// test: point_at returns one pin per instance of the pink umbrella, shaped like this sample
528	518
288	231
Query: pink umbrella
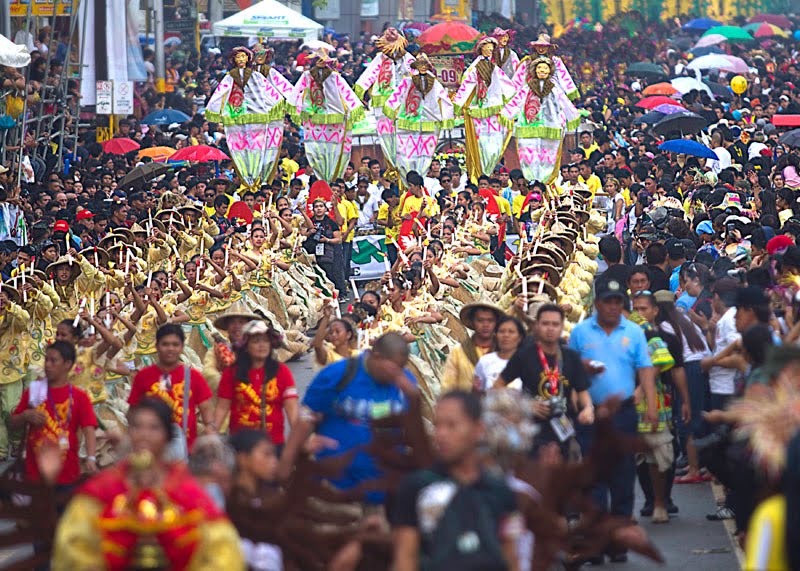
199	154
710	40
738	65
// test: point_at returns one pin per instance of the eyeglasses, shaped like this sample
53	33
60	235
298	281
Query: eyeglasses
445	180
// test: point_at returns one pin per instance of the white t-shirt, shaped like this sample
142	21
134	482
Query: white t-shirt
689	354
365	212
489	367
723	160
720	379
432	185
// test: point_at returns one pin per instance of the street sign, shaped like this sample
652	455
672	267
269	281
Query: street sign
123	97
448	69
105	98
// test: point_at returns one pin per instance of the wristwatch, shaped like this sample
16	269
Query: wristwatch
91	458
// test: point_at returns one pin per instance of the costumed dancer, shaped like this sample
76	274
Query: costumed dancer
252	111
328	108
484	90
543	114
420	108
381	78
504	56
543	47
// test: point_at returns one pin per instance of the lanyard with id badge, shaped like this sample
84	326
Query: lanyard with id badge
551	378
63	430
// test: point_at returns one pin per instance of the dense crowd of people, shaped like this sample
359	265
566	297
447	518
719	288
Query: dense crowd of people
472	403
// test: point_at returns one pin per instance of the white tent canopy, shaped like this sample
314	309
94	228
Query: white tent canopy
268	19
13	55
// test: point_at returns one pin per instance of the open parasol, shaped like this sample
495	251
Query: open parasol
165	117
700	24
660	89
158	154
199	154
449	38
731	33
688	147
719	62
655	101
143	174
775	19
685	122
765	30
646	70
120	146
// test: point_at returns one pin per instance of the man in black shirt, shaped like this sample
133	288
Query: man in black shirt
549	373
456	515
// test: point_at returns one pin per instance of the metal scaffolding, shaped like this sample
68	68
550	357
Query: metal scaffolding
51	113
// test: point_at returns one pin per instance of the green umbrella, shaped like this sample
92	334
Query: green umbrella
731	33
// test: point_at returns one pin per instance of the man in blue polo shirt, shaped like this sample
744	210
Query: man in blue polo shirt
342	401
614	353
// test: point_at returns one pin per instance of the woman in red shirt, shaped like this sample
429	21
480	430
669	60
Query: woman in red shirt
257	389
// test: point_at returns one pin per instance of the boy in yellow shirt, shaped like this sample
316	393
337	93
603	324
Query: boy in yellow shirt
348	210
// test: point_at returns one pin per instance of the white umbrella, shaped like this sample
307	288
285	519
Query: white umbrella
319	45
687	84
13	55
719	62
710	40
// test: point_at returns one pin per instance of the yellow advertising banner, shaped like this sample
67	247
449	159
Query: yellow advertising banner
19	8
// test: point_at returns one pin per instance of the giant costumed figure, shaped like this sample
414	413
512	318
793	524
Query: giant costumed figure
328	108
543	114
543	47
484	90
381	77
419	108
252	111
504	56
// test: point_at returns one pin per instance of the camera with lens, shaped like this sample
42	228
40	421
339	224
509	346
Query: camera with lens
558	406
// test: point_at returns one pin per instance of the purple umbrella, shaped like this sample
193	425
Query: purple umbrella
668	109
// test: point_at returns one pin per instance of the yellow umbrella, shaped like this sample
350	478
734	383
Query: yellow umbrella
158	154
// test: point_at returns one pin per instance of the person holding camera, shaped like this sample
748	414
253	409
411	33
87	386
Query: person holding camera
555	377
323	238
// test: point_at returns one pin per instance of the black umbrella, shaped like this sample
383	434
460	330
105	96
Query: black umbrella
719	90
646	70
143	174
791	138
683	122
650	118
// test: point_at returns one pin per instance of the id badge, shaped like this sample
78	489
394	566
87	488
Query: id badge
563	428
63	443
320	251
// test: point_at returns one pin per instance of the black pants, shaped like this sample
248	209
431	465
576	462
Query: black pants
391	251
347	256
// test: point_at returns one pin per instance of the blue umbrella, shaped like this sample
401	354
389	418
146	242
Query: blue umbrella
165	117
687	147
700	24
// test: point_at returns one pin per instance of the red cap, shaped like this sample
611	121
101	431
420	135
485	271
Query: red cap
61	226
84	215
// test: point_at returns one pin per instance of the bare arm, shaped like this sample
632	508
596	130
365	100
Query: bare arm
406	549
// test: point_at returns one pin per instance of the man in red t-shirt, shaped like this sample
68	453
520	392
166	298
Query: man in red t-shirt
55	411
269	388
166	380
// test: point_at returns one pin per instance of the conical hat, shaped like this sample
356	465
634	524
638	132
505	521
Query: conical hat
237	309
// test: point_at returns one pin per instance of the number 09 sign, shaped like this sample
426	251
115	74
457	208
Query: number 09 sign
448	69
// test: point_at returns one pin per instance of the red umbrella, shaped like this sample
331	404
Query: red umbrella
199	154
449	38
655	101
120	146
775	19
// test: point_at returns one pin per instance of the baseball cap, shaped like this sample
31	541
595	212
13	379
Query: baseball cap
83	215
61	226
608	287
675	249
705	227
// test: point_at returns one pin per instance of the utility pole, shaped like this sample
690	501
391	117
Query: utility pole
161	68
